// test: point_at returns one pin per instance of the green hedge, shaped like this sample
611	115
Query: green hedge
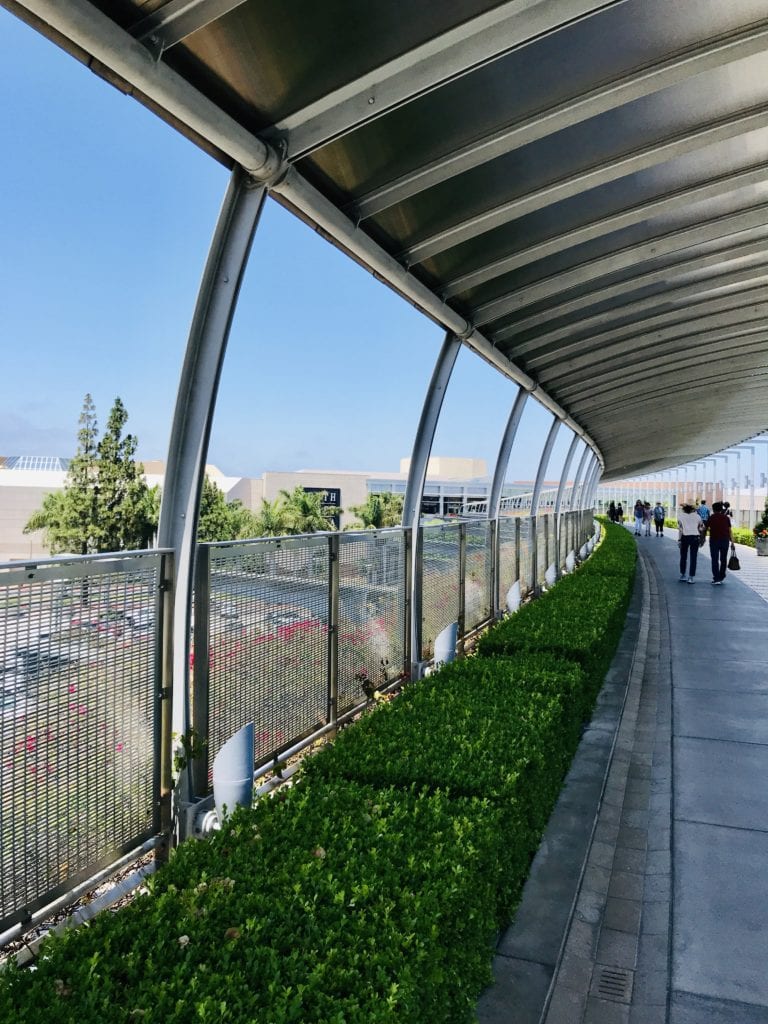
503	729
581	618
369	892
332	903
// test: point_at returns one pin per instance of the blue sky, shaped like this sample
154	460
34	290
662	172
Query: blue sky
106	215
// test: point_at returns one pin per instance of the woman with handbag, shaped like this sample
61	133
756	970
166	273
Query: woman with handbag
689	527
718	526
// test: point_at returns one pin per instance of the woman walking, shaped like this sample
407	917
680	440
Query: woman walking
689	526
638	513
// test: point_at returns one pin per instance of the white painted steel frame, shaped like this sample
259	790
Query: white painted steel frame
535	496
195	404
417	475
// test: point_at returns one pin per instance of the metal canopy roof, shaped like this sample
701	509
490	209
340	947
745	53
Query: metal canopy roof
578	188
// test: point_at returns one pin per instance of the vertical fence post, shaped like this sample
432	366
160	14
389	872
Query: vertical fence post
417	618
407	605
163	813
494	555
517	550
546	542
462	585
201	671
333	628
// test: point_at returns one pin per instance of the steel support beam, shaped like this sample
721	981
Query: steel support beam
417	475
560	492
84	25
195	403
535	497
505	448
583	463
425	432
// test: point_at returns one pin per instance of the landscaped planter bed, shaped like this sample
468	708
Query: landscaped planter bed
370	891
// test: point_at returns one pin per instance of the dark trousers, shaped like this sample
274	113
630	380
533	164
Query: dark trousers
689	543
718	551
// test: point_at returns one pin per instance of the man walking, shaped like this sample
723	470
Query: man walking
718	526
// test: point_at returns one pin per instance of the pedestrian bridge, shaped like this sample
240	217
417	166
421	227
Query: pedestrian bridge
575	191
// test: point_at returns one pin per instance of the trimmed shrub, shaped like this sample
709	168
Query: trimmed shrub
332	902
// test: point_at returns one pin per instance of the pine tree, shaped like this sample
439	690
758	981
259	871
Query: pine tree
106	504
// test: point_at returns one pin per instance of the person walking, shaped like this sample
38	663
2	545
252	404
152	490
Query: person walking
619	513
703	510
612	512
647	517
638	513
718	526
659	515
689	527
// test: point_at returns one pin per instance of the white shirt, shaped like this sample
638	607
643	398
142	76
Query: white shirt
689	523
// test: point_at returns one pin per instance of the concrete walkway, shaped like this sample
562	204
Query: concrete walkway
647	901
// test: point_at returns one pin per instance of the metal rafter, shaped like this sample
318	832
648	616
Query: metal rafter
465	48
582	274
711	54
717	260
177	19
713	188
717	313
668	303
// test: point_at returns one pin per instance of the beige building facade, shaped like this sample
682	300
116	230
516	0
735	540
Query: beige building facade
451	482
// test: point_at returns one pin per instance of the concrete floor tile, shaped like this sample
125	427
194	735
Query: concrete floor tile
599	1011
519	988
626	885
720	941
689	1008
623	915
714	782
737	717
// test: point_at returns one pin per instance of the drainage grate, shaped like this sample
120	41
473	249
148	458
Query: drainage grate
615	984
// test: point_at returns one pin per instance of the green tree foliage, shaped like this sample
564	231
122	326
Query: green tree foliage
270	520
106	504
379	511
221	519
305	513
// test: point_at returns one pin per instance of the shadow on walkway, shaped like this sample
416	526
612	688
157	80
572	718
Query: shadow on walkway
647	901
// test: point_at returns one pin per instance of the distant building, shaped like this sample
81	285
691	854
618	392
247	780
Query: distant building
451	484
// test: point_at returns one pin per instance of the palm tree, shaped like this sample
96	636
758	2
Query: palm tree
271	519
305	512
380	510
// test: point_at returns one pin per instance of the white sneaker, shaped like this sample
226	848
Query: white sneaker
683	578
691	579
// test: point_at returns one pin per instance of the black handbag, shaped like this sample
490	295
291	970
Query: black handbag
733	562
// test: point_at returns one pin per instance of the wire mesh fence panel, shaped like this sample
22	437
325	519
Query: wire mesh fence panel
477	584
267	640
440	582
507	558
526	550
79	732
371	613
